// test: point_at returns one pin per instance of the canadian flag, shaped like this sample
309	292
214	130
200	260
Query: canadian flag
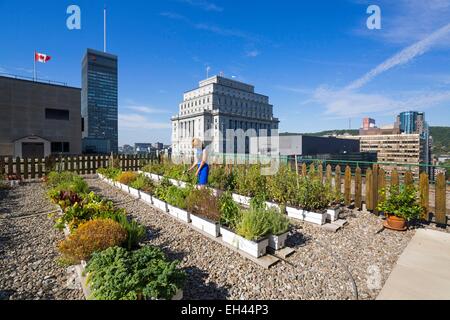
40	57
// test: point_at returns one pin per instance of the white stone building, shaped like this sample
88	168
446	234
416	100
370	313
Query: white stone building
216	106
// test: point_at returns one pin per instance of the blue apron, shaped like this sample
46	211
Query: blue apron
204	172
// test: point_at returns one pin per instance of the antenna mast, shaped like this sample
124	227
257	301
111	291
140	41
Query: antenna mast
104	29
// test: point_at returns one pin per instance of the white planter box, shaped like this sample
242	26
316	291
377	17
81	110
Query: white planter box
146	197
229	237
278	242
210	227
174	182
182	184
271	205
178	213
255	249
312	217
333	214
122	187
161	205
155	177
135	192
242	199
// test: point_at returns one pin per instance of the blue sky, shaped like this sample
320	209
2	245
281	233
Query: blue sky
316	60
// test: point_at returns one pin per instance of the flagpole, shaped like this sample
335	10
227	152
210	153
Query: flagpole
34	59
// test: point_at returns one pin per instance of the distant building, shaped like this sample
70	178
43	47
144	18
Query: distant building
158	146
369	128
219	104
38	119
126	149
99	103
143	148
408	150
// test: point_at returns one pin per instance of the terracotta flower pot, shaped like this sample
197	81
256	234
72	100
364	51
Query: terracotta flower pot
395	223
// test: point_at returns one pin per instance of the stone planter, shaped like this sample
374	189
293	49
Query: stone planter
278	242
304	215
134	192
161	205
229	237
208	226
254	248
178	213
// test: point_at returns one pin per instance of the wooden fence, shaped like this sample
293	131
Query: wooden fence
356	188
30	168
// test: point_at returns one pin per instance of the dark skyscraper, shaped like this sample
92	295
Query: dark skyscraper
99	102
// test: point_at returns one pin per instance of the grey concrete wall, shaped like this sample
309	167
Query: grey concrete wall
22	113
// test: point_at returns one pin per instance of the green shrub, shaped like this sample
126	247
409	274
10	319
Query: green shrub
162	187
143	183
313	194
249	181
158	169
282	187
401	202
135	231
255	224
110	173
90	237
279	223
127	177
176	196
230	213
117	274
66	181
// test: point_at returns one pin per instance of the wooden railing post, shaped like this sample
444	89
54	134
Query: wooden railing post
329	176
347	186
10	165
375	190
320	172
33	168
409	180
358	188
40	170
337	181
395	181
304	173
2	165
440	214
369	190
25	169
424	189
381	183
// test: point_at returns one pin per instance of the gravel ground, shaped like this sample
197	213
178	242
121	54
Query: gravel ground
325	265
28	254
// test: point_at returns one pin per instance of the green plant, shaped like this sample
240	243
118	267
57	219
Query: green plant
127	177
176	196
66	181
143	183
249	181
255	224
158	169
117	274
313	194
401	202
203	203
279	223
110	173
90	237
282	187
230	213
258	202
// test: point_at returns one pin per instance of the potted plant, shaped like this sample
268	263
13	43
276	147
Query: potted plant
400	205
279	229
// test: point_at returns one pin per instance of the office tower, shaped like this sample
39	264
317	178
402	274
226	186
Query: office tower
99	102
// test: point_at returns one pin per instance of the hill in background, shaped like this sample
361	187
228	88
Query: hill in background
441	138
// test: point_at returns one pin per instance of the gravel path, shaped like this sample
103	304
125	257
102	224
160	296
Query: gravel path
28	254
324	266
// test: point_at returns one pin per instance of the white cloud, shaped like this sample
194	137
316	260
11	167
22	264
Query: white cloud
252	53
136	121
403	57
204	5
148	110
345	104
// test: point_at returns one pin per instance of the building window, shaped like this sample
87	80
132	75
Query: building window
57	114
60	147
